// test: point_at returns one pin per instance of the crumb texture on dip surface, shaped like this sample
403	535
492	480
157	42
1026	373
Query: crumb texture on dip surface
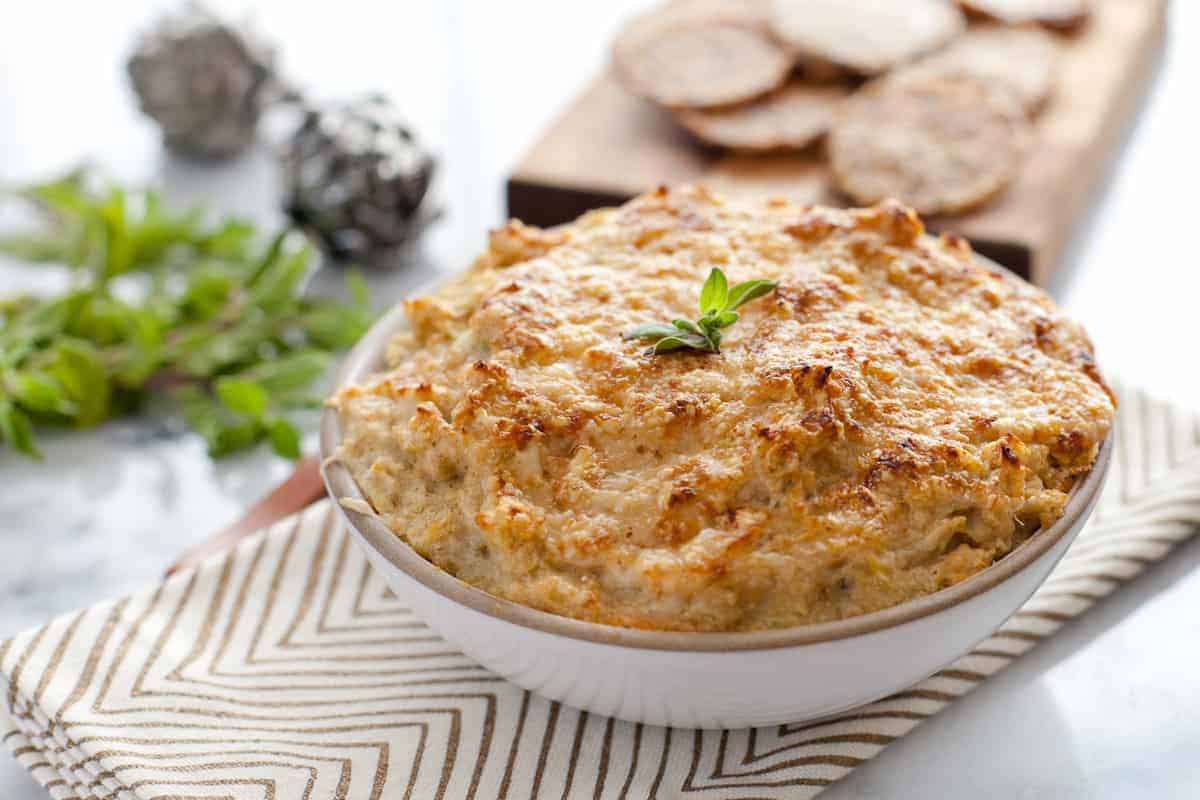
892	419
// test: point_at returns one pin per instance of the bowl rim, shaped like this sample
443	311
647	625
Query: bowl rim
365	358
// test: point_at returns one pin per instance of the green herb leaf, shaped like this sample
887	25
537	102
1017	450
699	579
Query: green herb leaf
285	439
280	283
232	437
291	373
79	367
16	429
268	258
231	240
39	392
654	330
684	325
717	302
53	249
222	432
144	352
356	286
208	291
714	292
678	342
210	315
243	396
744	292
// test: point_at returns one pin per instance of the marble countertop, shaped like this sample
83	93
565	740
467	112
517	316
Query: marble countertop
1110	707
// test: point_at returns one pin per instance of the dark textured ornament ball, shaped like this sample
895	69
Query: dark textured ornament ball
357	179
204	82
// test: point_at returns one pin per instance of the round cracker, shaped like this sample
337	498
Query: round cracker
790	118
1060	14
687	13
867	37
746	12
1018	61
939	146
699	66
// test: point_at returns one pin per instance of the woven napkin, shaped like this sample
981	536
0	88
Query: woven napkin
287	669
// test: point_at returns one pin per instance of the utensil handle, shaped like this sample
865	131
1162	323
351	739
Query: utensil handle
301	489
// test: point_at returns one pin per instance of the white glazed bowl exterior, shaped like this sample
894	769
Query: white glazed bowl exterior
720	689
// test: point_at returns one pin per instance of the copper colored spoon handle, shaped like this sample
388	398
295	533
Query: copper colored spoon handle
301	489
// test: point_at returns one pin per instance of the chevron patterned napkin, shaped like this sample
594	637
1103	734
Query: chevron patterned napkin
287	669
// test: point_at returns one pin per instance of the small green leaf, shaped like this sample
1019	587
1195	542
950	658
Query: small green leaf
726	318
78	366
243	396
268	259
206	352
279	282
231	437
743	293
231	241
714	293
685	325
678	341
665	345
710	329
356	285
17	430
103	320
222	433
334	327
290	373
144	352
40	393
653	330
64	194
208	289
284	438
119	252
201	413
37	248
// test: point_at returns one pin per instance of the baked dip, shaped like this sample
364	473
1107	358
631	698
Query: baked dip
893	417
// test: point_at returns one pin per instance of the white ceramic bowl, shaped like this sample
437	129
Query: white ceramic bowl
702	680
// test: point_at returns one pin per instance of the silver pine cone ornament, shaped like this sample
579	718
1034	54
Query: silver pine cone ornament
204	82
357	179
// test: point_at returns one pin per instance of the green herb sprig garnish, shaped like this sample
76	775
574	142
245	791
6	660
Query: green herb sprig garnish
718	302
163	305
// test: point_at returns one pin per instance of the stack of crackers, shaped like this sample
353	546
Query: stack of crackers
928	101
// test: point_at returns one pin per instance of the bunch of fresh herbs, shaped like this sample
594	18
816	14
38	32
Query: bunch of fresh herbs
165	305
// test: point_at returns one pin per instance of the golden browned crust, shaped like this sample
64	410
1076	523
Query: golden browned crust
867	37
791	118
940	146
892	419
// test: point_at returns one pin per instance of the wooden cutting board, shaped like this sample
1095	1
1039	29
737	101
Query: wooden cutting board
610	146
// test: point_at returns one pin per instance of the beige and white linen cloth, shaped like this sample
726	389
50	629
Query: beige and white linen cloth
286	669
